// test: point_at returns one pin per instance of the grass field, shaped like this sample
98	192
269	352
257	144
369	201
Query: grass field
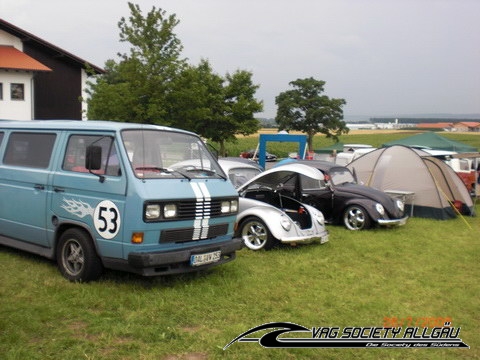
425	269
372	137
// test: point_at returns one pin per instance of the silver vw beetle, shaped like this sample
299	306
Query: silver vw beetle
267	218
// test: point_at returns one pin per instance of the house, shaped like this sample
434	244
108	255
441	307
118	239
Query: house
39	80
466	126
438	126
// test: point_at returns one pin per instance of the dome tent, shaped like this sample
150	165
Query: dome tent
435	185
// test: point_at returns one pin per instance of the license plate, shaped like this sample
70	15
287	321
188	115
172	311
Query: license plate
202	259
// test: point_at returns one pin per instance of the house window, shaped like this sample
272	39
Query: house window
1	91
17	92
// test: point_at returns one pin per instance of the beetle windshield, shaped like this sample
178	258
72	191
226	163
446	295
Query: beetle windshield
157	154
341	176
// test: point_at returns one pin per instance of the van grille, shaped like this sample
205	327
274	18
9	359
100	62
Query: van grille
198	209
193	233
192	209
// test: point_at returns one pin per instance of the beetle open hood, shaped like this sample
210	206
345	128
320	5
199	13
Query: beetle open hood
274	175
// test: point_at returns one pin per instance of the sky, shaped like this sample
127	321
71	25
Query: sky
384	57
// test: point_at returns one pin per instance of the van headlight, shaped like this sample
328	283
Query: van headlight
155	212
169	211
380	209
229	206
152	212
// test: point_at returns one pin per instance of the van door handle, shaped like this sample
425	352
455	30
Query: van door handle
39	187
57	189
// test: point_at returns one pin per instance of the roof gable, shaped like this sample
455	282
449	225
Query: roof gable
27	37
11	58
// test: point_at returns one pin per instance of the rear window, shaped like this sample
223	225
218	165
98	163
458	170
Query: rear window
29	149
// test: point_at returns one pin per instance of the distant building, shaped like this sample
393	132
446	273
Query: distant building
446	126
38	80
361	126
465	126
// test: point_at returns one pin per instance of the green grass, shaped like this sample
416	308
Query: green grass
427	268
376	140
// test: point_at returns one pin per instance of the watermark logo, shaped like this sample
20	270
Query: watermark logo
352	337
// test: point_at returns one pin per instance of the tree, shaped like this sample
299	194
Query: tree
305	109
152	84
214	107
135	89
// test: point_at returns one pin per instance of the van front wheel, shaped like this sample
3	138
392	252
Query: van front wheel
77	258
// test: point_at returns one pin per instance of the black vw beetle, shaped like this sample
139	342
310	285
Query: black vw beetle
342	200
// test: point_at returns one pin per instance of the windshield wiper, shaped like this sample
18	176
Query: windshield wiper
160	169
208	171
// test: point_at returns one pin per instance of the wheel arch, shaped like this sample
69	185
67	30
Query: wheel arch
267	215
64	226
367	204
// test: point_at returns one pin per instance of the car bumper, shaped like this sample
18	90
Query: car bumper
172	262
393	222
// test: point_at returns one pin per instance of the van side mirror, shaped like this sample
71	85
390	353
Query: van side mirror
93	157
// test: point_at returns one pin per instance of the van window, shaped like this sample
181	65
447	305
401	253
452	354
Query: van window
29	149
76	149
1	137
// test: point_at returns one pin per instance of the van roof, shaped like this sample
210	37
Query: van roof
76	125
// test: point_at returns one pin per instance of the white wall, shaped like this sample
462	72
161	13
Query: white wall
16	109
8	39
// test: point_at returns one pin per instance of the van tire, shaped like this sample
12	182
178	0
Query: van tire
76	256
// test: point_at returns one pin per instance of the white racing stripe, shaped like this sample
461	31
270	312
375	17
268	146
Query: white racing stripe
202	211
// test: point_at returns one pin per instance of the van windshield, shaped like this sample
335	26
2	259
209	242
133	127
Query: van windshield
155	154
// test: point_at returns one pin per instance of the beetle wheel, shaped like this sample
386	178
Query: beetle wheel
256	235
356	218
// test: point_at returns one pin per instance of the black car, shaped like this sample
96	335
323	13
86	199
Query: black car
342	200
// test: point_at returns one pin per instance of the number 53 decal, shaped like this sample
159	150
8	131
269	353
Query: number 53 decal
107	219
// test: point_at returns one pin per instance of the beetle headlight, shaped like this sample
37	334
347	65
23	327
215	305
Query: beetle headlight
400	205
285	222
319	217
152	212
380	209
169	211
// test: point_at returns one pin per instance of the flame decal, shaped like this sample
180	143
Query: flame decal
78	208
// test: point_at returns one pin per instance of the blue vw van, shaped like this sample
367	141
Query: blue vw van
140	198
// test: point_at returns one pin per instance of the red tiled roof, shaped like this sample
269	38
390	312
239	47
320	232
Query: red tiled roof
434	125
31	39
468	123
11	58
